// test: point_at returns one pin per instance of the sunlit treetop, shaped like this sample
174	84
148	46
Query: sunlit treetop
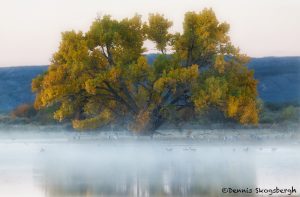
157	31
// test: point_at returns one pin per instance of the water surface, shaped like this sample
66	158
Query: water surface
71	164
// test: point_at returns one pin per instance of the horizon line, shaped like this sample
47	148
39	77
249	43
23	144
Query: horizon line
40	65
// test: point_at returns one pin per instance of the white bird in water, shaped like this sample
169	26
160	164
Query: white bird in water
246	149
115	137
76	137
192	149
169	149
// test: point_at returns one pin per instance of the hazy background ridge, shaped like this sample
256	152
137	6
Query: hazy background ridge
279	81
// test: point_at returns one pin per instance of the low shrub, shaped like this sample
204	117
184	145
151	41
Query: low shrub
289	113
24	111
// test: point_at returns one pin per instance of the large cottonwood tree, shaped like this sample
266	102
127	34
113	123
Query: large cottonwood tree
102	77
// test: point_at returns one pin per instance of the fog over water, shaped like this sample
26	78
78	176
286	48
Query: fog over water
105	164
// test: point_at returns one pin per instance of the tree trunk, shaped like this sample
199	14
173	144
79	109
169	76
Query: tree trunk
189	58
156	120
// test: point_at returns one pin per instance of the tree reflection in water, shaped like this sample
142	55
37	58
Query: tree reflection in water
145	171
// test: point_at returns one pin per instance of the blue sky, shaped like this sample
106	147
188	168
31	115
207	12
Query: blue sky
30	29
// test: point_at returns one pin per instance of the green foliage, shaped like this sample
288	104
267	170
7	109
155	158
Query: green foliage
119	42
157	31
289	113
163	63
203	37
101	77
279	113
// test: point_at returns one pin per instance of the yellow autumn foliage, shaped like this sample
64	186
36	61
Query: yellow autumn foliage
92	123
103	75
232	106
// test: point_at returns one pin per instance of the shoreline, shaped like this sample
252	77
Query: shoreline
191	135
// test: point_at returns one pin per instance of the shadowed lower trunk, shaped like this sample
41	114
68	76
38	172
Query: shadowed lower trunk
156	120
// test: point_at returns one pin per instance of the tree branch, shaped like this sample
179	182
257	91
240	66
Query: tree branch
119	98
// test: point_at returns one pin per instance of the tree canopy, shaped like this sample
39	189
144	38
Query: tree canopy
103	77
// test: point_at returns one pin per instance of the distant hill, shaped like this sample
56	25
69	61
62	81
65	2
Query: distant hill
279	81
15	85
279	78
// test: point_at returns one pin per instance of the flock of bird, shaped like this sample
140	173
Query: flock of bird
245	149
189	148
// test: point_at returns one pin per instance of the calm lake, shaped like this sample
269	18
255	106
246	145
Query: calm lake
71	164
